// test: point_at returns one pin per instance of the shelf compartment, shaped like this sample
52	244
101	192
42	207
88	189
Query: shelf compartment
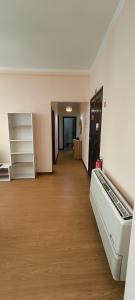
21	133
21	147
20	171
22	158
4	178
3	171
20	119
3	174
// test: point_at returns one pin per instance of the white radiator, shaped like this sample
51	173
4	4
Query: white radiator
114	218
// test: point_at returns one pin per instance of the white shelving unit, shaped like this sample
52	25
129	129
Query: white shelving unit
21	145
5	172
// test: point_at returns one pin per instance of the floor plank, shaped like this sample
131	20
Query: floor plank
50	248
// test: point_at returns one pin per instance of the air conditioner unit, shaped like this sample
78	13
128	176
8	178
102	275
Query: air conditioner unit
114	218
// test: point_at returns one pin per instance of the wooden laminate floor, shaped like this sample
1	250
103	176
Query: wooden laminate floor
50	247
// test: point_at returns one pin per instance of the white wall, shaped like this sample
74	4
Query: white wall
34	93
114	68
85	117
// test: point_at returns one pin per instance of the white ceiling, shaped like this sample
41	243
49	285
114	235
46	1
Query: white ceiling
52	34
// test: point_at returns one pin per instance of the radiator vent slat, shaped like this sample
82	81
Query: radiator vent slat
121	208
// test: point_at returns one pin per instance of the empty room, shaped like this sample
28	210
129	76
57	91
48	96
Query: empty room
67	221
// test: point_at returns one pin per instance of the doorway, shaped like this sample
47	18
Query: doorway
95	129
69	132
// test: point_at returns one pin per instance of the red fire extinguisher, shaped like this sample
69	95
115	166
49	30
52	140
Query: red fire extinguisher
99	164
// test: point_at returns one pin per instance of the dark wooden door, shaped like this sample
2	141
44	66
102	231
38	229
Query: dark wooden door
53	137
58	134
95	129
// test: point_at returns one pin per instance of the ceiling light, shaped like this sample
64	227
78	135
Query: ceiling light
69	108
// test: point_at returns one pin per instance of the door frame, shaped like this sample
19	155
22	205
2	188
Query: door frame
58	133
94	99
67	117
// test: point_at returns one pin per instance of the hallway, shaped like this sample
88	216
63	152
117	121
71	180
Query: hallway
50	247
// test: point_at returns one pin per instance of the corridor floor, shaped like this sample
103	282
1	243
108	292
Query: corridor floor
50	248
